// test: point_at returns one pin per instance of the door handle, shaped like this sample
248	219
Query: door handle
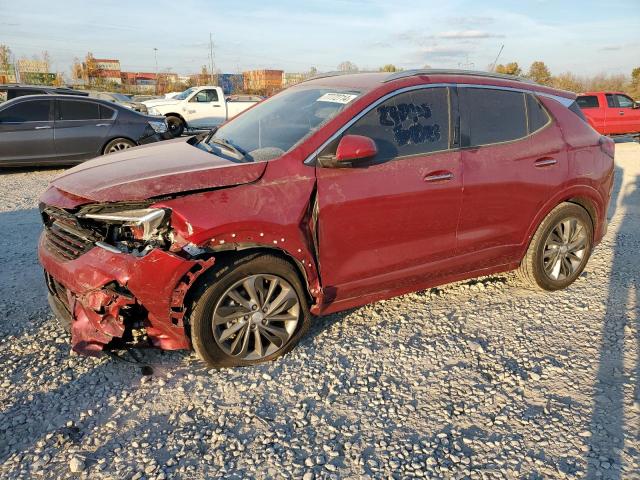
102	124
216	106
44	127
439	177
620	113
545	162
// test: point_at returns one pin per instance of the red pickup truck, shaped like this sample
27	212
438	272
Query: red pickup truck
611	113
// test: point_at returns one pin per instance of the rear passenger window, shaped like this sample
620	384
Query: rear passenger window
78	110
491	116
106	113
588	101
537	116
611	102
411	123
30	111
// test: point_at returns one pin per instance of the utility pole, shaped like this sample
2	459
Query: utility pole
211	62
493	66
155	54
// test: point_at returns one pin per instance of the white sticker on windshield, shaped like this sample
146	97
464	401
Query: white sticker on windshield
337	97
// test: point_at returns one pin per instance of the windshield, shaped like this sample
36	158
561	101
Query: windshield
273	127
185	94
121	97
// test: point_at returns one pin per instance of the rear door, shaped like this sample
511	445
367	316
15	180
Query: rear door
623	117
594	110
206	109
390	223
81	128
26	132
513	158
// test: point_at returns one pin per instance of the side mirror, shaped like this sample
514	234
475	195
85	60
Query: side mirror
352	148
636	105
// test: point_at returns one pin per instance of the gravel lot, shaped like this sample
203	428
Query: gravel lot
478	379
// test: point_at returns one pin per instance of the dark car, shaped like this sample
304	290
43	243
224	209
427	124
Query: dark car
334	193
65	129
121	99
12	91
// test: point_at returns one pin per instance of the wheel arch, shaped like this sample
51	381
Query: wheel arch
176	114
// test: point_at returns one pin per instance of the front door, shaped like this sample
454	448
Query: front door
621	115
26	132
206	109
390	223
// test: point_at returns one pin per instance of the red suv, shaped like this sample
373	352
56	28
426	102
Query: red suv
337	192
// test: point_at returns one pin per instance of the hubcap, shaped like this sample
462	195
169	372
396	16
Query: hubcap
565	248
256	317
116	147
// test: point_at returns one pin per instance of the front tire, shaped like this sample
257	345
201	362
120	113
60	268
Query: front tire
247	311
176	125
559	250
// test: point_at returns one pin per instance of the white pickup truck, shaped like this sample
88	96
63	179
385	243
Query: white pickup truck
196	107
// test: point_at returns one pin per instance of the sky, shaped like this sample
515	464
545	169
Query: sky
584	37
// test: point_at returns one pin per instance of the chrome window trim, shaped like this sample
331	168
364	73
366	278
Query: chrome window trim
310	160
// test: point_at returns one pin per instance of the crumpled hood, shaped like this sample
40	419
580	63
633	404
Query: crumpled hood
154	170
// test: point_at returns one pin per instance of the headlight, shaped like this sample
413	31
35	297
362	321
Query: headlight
154	111
140	224
159	126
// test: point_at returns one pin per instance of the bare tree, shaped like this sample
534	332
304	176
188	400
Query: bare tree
347	66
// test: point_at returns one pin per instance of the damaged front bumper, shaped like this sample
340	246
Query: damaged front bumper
104	295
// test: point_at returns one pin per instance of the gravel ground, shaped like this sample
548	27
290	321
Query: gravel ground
478	379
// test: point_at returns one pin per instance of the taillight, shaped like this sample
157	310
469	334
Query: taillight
607	146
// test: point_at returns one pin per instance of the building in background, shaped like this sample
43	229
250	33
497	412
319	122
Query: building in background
231	83
293	78
8	73
97	71
35	72
263	82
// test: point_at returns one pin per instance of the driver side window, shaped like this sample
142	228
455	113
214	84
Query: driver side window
624	101
411	123
205	96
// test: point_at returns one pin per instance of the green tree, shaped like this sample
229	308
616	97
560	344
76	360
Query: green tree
539	73
509	69
634	86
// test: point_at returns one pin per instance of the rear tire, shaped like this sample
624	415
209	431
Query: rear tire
259	328
117	144
559	250
176	125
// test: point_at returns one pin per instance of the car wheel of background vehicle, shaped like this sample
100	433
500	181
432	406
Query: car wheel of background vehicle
560	248
249	310
176	125
117	145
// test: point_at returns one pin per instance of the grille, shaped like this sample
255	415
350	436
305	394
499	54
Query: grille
64	236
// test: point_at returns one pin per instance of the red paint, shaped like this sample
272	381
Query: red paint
382	230
355	147
609	117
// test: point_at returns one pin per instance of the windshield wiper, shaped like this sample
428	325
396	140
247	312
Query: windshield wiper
210	134
229	146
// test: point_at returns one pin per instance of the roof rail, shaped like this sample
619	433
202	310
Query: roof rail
336	74
436	71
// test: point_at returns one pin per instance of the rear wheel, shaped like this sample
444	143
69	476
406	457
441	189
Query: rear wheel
560	248
250	311
176	125
117	145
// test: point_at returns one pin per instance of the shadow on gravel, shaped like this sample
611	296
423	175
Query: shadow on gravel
608	429
22	287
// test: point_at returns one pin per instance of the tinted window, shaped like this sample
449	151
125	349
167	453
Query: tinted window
536	114
624	101
576	109
106	112
77	110
588	101
491	116
206	96
33	111
611	102
408	124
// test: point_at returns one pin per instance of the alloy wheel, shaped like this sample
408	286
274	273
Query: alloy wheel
565	249
118	146
256	317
